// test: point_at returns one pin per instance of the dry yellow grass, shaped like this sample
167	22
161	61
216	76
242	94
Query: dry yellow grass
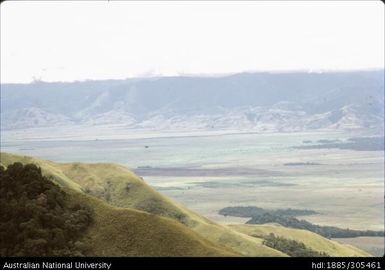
309	239
128	232
48	168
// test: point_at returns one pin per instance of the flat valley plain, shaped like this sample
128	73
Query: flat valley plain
209	172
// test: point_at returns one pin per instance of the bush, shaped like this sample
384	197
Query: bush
326	231
291	247
36	216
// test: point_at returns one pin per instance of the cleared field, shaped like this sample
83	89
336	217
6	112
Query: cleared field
342	196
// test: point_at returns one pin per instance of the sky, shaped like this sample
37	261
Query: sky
72	41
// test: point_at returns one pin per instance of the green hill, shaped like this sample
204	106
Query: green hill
127	193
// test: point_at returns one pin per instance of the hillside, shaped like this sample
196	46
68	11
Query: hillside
121	188
102	179
128	232
39	218
310	239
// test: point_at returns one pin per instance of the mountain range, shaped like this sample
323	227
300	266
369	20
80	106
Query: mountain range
263	101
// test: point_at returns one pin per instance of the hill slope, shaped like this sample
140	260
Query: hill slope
120	187
128	232
310	239
40	218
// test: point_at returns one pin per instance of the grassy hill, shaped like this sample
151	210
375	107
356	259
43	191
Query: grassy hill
40	218
124	191
122	188
309	239
128	232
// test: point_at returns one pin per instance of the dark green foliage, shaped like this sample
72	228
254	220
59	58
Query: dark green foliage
326	231
291	247
287	218
358	144
251	211
36	217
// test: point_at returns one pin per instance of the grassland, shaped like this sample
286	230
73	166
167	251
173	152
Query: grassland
128	232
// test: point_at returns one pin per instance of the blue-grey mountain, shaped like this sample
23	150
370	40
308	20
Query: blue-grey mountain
246	101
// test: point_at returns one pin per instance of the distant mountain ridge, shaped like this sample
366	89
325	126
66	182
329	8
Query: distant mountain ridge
247	101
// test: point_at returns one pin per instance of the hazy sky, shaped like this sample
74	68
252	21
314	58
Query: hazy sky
66	41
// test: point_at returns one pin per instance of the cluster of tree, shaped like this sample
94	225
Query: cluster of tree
326	231
291	247
358	144
36	216
251	211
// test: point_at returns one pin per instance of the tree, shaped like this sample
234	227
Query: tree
36	216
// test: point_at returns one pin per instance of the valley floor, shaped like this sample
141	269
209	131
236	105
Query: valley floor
208	173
